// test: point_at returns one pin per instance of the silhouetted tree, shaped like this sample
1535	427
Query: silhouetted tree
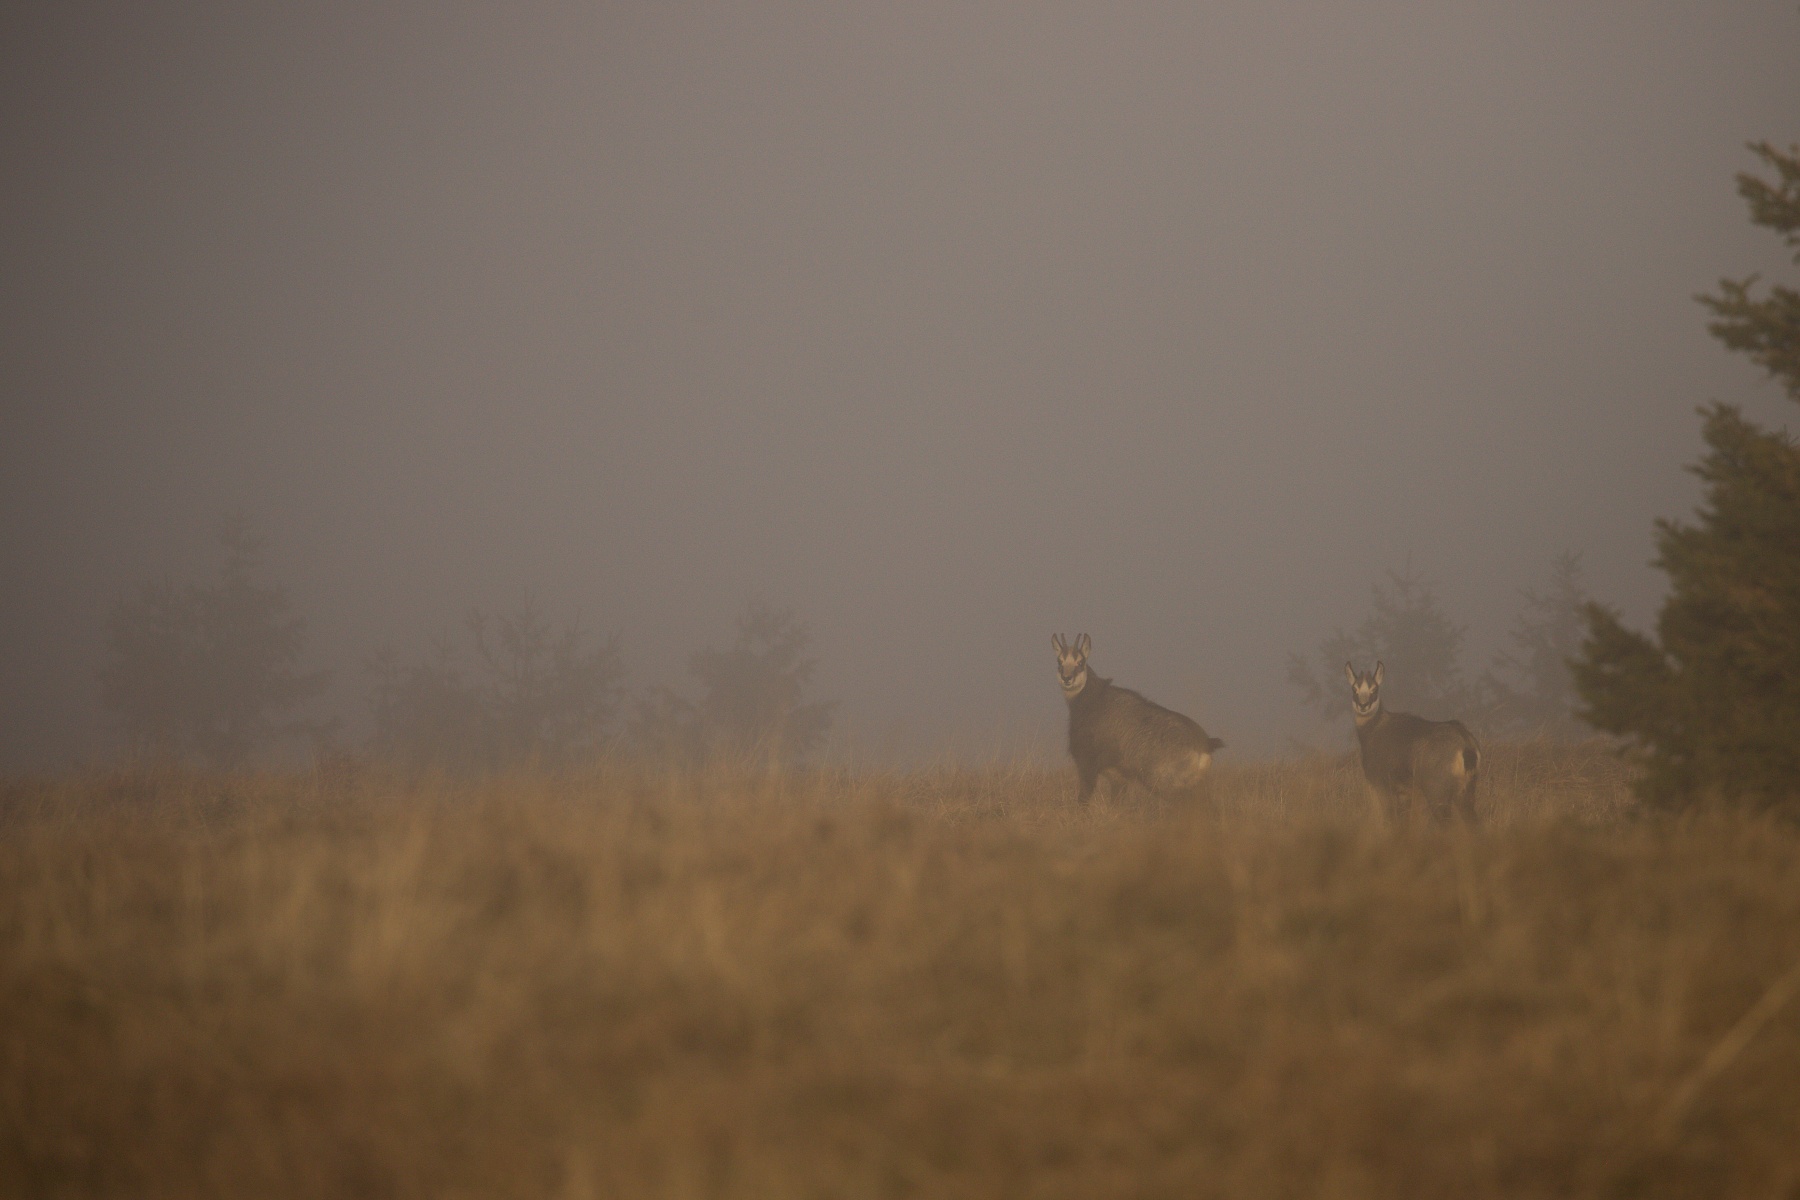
666	728
516	691
1410	633
752	702
209	671
752	694
1530	689
1711	706
1766	329
429	714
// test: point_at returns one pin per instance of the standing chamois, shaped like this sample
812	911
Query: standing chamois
1114	731
1403	754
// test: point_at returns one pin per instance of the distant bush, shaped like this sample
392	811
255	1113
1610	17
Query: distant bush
1530	691
752	703
209	671
512	691
1408	630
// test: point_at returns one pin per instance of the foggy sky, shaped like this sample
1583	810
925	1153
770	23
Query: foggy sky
948	324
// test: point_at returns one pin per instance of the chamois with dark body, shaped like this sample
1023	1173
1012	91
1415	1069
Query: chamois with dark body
1113	731
1403	755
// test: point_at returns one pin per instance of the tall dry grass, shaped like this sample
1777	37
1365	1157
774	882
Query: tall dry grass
935	984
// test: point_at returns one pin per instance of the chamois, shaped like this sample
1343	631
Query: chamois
1116	732
1403	754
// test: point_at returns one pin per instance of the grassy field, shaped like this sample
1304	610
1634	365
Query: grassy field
934	984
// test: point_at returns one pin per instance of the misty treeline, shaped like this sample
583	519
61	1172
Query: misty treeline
514	689
1526	691
212	673
1708	704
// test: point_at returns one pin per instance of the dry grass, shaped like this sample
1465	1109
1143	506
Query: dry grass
939	984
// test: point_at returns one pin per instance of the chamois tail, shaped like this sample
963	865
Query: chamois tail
1467	762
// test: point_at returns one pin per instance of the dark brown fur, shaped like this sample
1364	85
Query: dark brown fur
1404	755
1115	731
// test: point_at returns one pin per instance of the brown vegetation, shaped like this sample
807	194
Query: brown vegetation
933	984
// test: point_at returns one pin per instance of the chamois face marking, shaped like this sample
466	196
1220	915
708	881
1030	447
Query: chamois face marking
1071	664
1365	690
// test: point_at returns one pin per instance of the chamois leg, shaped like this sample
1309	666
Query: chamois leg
1465	803
1383	809
1188	786
1088	777
1449	797
1197	798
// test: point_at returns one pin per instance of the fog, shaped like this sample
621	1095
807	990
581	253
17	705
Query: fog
948	324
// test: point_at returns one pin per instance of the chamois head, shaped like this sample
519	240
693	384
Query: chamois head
1071	663
1365	690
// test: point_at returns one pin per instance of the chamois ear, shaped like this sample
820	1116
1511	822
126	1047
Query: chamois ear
1056	640
1378	672
1350	673
1082	644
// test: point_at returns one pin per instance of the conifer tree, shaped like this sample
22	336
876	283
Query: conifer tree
1530	690
209	672
1711	705
516	691
1410	633
752	708
754	692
